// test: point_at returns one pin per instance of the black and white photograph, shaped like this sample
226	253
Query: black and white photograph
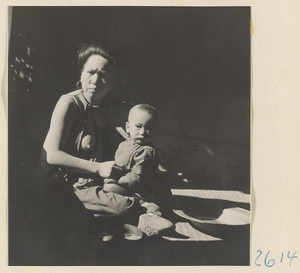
170	84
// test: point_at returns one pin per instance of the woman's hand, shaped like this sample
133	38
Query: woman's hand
105	168
109	169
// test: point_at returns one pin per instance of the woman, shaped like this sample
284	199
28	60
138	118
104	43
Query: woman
77	144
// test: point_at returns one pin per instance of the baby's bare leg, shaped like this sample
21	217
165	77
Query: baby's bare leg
115	188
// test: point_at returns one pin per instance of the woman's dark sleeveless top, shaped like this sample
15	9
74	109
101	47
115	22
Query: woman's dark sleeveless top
89	139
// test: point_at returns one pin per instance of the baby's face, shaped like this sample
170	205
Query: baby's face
141	127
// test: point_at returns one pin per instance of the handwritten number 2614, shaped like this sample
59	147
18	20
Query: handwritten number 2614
271	262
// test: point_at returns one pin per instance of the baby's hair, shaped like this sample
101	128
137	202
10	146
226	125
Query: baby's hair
146	108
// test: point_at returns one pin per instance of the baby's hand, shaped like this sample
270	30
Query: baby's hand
110	181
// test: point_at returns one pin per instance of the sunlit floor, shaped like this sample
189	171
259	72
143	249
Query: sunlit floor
209	210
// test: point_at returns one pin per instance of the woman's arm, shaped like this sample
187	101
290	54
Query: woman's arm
61	122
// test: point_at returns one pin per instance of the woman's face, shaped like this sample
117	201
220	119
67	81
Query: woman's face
96	78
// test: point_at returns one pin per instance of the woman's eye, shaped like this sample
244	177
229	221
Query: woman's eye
106	78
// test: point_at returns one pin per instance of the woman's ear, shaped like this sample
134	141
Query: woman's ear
127	127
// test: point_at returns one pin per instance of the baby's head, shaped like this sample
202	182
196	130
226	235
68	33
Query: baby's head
142	123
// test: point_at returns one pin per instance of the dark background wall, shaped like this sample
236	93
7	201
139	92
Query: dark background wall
192	64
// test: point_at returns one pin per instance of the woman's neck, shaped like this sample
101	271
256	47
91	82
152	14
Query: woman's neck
91	101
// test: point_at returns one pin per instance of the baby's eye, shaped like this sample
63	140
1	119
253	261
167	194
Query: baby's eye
138	126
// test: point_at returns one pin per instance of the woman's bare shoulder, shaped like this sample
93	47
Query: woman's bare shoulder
67	103
69	98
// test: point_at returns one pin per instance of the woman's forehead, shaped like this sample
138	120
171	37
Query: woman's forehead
96	61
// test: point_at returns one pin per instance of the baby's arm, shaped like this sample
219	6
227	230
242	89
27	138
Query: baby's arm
111	184
145	165
129	179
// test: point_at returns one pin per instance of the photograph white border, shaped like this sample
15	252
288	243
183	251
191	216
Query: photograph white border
275	148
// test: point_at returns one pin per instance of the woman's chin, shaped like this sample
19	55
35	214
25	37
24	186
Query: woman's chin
96	98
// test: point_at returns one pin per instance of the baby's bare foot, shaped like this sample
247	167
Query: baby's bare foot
152	208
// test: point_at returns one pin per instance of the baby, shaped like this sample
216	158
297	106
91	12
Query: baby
138	158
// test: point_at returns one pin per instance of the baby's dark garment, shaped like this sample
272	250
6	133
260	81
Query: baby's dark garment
141	164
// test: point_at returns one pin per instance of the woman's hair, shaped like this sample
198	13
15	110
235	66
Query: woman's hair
87	50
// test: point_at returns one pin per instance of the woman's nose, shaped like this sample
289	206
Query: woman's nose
95	78
142	131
